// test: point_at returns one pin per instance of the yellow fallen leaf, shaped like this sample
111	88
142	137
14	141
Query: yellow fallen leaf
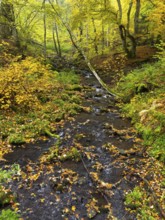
73	208
42	200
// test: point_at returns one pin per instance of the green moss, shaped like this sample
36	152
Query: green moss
142	96
16	139
59	99
8	214
140	203
5	196
72	154
134	198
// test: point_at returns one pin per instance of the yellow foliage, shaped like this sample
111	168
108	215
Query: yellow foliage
26	85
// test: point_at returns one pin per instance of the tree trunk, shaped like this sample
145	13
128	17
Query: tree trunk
81	32
81	52
132	50
8	27
58	40
103	37
120	12
136	18
129	15
126	37
123	35
45	29
107	41
54	40
95	38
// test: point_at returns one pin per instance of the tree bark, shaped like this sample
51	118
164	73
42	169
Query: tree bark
58	40
103	37
136	17
129	14
45	30
126	37
81	32
123	35
8	27
54	40
120	12
95	38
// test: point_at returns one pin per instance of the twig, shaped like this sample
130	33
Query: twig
99	190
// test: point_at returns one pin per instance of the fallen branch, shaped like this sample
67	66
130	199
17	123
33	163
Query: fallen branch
84	165
99	190
96	75
80	50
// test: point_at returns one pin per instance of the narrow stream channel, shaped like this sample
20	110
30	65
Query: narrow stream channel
43	199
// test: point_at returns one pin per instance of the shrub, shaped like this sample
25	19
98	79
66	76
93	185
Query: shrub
26	85
33	99
142	93
8	214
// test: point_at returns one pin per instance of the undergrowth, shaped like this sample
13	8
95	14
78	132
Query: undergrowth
7	198
138	201
142	94
34	99
142	98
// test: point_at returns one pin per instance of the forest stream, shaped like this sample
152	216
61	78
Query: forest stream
91	186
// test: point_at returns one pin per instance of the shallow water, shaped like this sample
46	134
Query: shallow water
98	128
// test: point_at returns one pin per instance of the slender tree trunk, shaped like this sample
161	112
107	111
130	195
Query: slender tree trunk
8	27
87	38
105	4
103	37
95	38
45	30
108	32
132	50
136	18
58	40
81	32
81	52
120	12
129	14
123	35
126	36
54	40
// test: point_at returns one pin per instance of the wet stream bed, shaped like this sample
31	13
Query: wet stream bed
92	187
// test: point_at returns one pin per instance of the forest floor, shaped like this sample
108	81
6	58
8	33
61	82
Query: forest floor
87	171
112	66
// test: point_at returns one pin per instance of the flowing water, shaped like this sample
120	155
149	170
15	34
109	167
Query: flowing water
56	194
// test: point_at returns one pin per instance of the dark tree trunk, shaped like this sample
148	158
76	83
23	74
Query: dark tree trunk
54	40
125	36
128	40
120	11
103	37
129	14
8	28
81	32
132	51
58	40
136	18
95	38
45	30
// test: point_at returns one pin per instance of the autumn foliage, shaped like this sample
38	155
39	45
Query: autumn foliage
26	85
